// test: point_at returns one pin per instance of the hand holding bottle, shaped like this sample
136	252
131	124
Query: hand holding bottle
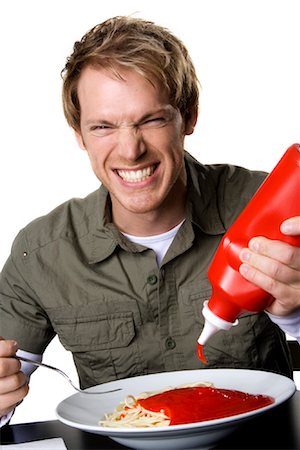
268	270
274	266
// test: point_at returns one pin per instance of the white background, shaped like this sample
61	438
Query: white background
247	56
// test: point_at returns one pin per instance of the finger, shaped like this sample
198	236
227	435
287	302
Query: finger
8	347
12	383
10	400
277	250
291	226
272	268
9	366
274	287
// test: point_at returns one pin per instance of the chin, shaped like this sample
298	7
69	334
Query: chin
141	205
141	209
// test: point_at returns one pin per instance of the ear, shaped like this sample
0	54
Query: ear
79	139
191	120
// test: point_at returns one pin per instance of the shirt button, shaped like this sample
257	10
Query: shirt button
170	343
152	279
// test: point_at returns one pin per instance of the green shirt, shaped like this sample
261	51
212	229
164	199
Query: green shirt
71	273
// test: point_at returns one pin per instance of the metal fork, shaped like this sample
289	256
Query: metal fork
39	364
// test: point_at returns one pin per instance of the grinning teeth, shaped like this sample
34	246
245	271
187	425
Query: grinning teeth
136	176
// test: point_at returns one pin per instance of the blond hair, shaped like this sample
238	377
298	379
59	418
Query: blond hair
139	45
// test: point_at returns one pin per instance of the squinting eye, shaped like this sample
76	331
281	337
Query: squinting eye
154	123
101	130
100	127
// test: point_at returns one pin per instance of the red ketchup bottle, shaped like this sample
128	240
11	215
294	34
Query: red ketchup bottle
277	199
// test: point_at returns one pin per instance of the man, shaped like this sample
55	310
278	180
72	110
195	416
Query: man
120	276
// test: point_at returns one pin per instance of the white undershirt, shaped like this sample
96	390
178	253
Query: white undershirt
290	324
159	243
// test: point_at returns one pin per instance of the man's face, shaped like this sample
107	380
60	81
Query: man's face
134	139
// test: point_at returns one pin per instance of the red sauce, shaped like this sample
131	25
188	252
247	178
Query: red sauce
200	353
196	404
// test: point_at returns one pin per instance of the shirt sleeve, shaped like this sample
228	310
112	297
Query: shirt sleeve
26	367
290	324
22	316
5	419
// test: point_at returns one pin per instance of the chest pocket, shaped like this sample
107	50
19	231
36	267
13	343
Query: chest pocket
102	337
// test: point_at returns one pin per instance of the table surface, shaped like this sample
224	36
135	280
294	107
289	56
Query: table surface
278	428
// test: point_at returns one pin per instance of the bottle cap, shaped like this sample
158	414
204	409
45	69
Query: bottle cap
212	324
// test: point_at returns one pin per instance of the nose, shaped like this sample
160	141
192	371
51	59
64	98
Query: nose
131	143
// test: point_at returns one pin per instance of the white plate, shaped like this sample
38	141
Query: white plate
84	411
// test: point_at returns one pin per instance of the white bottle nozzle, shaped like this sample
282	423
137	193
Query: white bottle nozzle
212	324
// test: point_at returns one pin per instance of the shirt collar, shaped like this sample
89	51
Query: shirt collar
202	200
103	237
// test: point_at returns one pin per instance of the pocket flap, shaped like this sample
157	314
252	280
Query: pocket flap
103	331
